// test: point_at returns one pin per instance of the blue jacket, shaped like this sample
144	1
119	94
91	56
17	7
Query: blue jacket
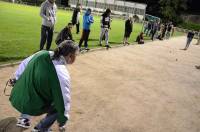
87	20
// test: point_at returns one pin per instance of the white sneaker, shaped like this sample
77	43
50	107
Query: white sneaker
23	122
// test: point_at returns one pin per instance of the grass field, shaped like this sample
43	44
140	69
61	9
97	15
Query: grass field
20	30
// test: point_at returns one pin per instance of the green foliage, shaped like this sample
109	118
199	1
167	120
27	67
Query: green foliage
171	9
190	26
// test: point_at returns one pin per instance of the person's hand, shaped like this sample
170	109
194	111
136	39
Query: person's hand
48	18
62	129
11	82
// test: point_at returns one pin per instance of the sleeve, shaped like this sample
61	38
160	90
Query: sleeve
101	21
62	34
64	80
22	67
43	11
77	18
91	20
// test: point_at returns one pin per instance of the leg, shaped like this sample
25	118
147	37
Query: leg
107	36
49	38
77	27
43	37
152	35
82	38
24	121
101	35
86	38
47	122
188	43
124	41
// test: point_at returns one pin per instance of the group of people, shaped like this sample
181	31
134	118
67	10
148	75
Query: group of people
48	14
156	29
43	82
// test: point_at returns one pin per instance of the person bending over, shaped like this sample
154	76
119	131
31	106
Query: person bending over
43	86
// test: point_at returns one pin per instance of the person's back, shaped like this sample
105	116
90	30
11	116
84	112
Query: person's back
43	86
37	92
128	25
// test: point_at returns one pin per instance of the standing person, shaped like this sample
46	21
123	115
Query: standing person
154	30
76	17
164	31
198	39
160	32
145	26
48	14
169	30
190	36
128	29
65	34
87	21
43	86
105	27
150	26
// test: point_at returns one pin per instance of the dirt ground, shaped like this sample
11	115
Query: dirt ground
153	87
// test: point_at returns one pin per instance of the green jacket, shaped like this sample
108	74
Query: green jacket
38	88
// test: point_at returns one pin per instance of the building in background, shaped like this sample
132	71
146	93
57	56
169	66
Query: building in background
117	7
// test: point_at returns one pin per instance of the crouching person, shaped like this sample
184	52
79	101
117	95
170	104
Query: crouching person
65	34
140	38
43	86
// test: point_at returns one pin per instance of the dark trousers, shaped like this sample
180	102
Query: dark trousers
153	34
84	37
45	124
46	35
77	27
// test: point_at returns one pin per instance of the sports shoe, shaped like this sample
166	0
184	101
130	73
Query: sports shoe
23	122
86	48
108	46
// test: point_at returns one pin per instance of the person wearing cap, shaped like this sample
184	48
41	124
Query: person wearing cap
105	27
43	86
48	14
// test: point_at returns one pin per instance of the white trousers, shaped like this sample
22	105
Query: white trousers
104	31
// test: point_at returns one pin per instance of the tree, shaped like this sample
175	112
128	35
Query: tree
172	9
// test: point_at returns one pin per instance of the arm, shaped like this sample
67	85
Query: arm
101	21
61	97
22	67
90	19
77	18
43	11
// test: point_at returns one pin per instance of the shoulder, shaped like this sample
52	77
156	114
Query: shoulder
62	72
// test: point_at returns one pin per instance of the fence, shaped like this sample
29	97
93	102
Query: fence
117	7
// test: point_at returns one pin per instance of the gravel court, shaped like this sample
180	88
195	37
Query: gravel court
138	88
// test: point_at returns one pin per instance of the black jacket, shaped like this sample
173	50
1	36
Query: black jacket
74	16
65	34
129	25
105	22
